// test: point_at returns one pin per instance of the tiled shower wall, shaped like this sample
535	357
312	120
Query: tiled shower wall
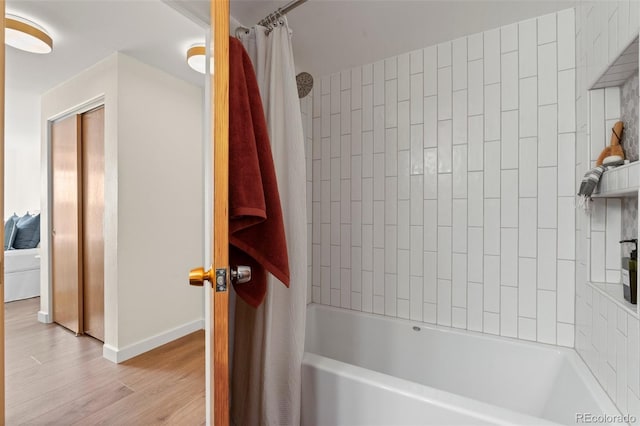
607	334
443	183
306	110
629	115
629	101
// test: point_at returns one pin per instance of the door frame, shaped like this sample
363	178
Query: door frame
2	108
208	224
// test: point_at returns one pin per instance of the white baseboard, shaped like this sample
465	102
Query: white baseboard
117	356
44	317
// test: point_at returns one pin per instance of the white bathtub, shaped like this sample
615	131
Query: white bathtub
362	369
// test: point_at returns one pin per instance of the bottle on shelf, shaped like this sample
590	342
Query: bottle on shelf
630	273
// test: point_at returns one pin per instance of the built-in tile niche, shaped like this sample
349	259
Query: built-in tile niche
607	328
614	96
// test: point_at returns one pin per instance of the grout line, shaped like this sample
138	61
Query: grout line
537	183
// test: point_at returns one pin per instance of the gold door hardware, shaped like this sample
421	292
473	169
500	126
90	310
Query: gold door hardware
239	275
198	276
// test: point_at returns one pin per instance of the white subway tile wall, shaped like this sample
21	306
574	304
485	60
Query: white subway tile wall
606	334
437	194
311	127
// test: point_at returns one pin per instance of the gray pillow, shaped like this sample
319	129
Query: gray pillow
28	232
10	231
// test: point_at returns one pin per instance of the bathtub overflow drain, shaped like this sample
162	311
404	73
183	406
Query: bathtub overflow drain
416	328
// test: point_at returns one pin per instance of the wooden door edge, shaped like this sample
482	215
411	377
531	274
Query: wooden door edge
79	148
220	161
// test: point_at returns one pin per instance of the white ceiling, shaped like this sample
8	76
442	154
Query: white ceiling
332	35
328	35
84	32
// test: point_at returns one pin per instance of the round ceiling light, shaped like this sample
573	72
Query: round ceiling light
196	56
26	35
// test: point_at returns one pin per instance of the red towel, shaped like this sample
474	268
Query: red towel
256	229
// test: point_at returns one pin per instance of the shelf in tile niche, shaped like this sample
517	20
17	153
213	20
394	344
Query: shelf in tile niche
614	293
620	69
619	182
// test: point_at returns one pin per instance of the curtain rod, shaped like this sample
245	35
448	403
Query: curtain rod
281	11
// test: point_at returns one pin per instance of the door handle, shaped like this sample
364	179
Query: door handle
240	274
198	276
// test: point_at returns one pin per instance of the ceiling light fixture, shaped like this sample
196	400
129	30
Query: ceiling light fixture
26	35
196	58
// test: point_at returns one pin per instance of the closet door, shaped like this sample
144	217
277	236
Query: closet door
92	221
66	249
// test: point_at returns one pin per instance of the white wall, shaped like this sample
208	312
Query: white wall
160	200
153	199
607	336
439	191
22	152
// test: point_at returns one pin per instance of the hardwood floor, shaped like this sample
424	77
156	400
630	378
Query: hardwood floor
56	378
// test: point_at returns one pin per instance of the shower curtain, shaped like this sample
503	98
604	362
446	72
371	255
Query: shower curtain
269	340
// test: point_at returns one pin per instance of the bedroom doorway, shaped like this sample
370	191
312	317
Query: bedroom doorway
77	160
153	141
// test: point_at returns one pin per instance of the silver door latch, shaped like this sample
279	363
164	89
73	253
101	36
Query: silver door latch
240	274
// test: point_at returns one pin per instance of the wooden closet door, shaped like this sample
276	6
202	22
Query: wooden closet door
66	215
92	221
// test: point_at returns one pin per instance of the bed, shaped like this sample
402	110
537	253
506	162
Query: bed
21	274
